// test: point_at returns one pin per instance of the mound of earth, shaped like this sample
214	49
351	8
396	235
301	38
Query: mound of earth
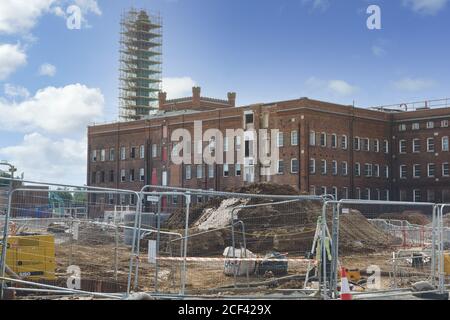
413	217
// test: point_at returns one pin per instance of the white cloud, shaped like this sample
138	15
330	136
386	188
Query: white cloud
321	5
20	16
56	110
86	7
15	91
44	159
11	58
414	85
47	69
89	6
177	87
426	6
333	87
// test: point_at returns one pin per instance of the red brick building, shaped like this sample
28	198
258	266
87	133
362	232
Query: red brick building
323	148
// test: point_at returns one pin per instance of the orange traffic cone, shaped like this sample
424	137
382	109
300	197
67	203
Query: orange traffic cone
345	287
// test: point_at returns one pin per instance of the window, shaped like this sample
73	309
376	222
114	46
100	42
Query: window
376	170
430	144
280	167
133	153
94	155
93	177
280	139
102	155
312	190
188	172
431	196
294	138
345	193
430	125
112	155
237	170
123	154
335	192
366	194
357	143
122	175
386	195
445	144
445	170
334	168
386	172
312	138
357	169
294	166
132	175
175	200
211	171
212	144
415	126
376	145
248	117
402	146
323	167
386	146
344	167
122	199
366	144
323	190
416	171
358	193
164	178
142	152
444	124
141	174
154	150
416	195
344	142
402	127
225	144
111	198
226	170
323	139
368	170
334	140
111	176
199	171
431	170
312	166
377	195
416	145
402	171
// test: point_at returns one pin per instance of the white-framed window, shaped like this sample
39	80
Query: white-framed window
248	117
123	176
417	171
345	193
430	125
312	138
312	190
445	169
103	155
386	172
366	144
334	168
237	170
312	166
210	171
344	168
358	193
357	169
280	167
334	140
402	146
226	170
368	170
112	154
142	151
188	172
430	144
416	145
417	196
431	170
199	171
294	166
164	178
132	175
445	144
386	146
133	152
280	139
444	124
344	142
376	145
402	127
386	195
367	194
403	171
335	192
294	138
323	139
323	167
154	150
357	143
416	126
141	174
123	153
376	170
94	155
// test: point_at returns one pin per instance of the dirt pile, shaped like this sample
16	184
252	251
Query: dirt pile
413	217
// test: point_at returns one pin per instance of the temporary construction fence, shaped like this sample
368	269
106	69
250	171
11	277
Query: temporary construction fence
176	242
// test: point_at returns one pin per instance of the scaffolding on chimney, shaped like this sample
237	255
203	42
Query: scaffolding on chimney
140	64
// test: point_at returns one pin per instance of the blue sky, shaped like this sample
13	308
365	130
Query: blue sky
263	50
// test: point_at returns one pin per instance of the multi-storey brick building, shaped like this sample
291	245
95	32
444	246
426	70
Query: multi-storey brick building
323	148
